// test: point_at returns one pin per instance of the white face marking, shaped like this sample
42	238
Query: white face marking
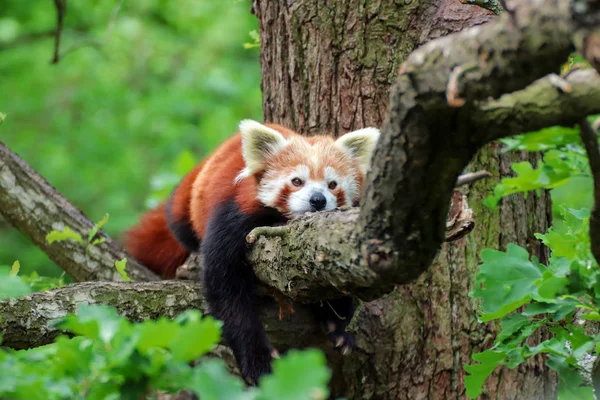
298	201
346	183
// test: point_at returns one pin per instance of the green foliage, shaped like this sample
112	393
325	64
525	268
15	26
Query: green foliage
11	285
39	283
19	284
556	170
120	266
112	358
170	77
93	231
552	294
284	383
66	234
255	40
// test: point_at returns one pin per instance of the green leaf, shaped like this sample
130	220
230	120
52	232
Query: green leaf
65	234
256	40
212	381
94	229
591	316
543	139
506	280
95	321
15	268
11	286
98	241
502	311
120	266
581	343
564	311
550	288
478	373
569	383
195	338
157	333
556	346
554	171
537	308
511	325
299	375
2	117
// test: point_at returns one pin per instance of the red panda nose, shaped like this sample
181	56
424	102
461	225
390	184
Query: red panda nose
317	201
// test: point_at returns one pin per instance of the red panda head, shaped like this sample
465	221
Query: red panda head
300	174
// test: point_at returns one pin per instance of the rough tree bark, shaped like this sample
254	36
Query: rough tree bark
412	342
327	67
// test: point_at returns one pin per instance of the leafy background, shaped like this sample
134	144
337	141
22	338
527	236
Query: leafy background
113	127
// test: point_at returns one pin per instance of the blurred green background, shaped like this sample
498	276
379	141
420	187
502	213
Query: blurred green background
114	126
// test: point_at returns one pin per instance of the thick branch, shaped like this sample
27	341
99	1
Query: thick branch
543	103
590	141
303	263
427	139
27	321
33	206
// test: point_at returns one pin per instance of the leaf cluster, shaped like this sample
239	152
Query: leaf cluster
111	358
527	296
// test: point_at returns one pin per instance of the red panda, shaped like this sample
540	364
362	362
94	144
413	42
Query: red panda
263	175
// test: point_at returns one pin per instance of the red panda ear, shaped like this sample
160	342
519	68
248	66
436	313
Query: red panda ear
360	145
259	142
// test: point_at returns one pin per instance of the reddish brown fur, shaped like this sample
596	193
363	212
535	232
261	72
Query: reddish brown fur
200	191
341	197
151	243
180	203
283	197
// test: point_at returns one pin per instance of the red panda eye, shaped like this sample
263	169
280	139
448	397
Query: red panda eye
297	182
332	185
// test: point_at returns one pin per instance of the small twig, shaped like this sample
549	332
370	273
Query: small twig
89	42
560	83
61	8
85	43
471	177
590	141
112	20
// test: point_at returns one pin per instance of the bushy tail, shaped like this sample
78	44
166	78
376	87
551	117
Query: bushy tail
152	243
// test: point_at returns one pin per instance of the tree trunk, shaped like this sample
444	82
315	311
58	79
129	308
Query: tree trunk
327	67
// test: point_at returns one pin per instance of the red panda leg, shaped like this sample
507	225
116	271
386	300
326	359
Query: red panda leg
180	226
230	286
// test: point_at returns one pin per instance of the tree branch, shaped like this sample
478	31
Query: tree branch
33	206
61	8
418	158
28	321
542	104
590	142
